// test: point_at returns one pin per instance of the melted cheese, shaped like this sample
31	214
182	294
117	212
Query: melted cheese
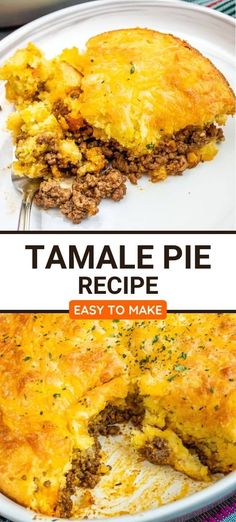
133	85
139	85
56	374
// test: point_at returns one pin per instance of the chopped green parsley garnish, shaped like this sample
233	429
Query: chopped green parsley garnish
132	68
180	368
171	378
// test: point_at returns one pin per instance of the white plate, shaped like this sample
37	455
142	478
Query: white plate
204	197
150	487
178	511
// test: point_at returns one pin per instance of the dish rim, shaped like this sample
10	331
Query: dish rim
94	5
190	505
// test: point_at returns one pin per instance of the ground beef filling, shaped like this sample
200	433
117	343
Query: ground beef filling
84	473
51	195
93	183
208	456
107	422
82	200
156	451
85	470
172	153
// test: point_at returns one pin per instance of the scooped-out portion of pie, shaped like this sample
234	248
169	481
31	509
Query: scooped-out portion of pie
67	385
135	102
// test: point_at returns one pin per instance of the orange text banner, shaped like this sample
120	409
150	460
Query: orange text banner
117	309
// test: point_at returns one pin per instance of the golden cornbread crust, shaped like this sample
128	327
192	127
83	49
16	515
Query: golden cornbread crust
135	102
65	382
140	85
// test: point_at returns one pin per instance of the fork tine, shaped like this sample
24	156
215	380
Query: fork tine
27	187
21	220
25	210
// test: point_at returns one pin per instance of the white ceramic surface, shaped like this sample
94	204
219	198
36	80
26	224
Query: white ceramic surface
204	197
178	511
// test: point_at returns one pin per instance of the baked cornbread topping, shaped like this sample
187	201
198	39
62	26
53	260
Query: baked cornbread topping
70	385
135	102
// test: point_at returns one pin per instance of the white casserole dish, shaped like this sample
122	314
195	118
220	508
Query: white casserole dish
178	511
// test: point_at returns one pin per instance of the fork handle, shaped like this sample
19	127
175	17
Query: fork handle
25	210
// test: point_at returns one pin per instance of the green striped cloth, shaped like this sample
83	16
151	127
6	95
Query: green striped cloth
224	6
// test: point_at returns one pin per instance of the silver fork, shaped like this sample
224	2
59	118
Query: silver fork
27	188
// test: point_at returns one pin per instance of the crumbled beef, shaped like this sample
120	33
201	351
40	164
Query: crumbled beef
83	200
51	195
84	473
60	108
40	88
197	137
46	139
171	152
50	158
108	184
83	134
135	408
170	157
200	453
79	207
65	505
107	421
22	136
206	457
50	149
177	166
156	451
